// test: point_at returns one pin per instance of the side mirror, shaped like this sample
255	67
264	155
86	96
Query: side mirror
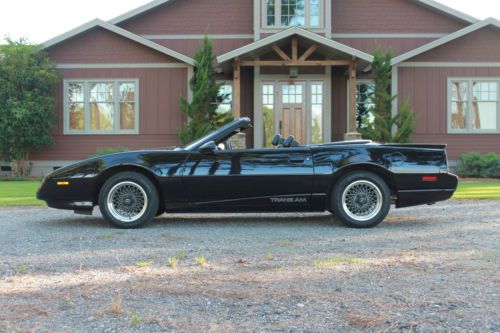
208	147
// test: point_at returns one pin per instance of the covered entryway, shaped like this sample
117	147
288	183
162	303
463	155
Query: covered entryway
292	91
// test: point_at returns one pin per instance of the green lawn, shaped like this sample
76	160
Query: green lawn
19	193
478	190
22	193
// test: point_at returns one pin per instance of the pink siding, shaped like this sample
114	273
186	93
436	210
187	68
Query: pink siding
102	46
194	17
398	45
160	118
389	16
339	104
427	90
482	45
188	46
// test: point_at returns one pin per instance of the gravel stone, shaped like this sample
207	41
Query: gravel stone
430	268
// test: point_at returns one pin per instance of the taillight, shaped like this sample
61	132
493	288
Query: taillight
429	178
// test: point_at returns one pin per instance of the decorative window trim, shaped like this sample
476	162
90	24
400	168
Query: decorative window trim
277	17
469	130
87	131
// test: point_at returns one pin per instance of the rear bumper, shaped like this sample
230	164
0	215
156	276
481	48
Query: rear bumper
440	191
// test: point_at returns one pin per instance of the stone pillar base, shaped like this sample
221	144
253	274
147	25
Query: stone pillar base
352	136
239	141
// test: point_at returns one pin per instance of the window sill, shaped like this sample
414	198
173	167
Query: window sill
102	133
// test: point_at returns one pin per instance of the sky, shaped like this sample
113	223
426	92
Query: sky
39	21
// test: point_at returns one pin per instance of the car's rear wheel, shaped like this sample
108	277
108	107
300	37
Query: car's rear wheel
361	199
128	200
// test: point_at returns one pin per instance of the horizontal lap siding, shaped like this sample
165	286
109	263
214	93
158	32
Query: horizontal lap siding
195	17
397	45
160	118
189	46
389	16
482	45
100	46
427	90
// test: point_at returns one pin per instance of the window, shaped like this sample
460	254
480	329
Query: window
101	107
473	106
317	112
288	13
225	98
268	113
364	92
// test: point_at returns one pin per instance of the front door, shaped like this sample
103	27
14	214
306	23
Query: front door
292	110
293	107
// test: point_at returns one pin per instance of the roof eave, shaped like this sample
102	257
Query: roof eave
122	32
446	39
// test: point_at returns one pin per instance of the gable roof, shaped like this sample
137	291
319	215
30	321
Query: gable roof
119	31
429	3
288	33
446	39
447	10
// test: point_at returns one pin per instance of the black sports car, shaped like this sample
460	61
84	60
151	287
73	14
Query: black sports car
357	181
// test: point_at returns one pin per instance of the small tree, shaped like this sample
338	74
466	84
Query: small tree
380	129
202	111
27	112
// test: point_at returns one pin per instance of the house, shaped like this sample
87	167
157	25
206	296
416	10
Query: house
298	67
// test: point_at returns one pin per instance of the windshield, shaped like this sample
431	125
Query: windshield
213	135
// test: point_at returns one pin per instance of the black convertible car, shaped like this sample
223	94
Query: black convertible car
357	181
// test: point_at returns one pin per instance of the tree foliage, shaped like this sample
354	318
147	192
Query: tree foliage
202	111
381	128
27	112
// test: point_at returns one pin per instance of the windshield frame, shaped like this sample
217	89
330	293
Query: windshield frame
222	133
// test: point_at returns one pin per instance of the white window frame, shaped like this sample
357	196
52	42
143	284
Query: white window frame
277	16
469	129
116	120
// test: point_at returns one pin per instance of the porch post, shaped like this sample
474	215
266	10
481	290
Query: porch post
352	132
236	89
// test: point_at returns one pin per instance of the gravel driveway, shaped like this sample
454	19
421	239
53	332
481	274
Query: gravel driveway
425	269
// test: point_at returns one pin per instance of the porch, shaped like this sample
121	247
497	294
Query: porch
296	83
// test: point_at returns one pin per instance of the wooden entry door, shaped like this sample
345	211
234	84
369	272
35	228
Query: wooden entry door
292	110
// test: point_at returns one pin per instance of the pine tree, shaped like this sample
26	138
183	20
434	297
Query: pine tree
381	128
202	111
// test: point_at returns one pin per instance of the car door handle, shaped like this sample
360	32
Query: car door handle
297	160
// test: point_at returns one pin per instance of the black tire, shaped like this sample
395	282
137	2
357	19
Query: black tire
161	210
361	199
128	193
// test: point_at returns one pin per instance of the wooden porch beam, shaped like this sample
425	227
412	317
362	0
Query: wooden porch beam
309	51
277	63
236	89
352	97
295	49
280	52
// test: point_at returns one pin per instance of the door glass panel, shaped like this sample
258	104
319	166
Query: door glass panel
268	114
317	112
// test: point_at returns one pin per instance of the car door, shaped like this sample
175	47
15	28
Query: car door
249	179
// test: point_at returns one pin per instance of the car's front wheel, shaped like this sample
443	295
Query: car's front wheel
361	199
128	200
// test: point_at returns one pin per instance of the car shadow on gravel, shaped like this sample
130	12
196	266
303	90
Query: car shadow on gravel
191	220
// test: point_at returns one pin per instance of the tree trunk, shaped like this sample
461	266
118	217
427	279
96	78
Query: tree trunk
21	167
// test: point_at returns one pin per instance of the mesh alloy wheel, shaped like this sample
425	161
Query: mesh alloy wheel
127	201
362	200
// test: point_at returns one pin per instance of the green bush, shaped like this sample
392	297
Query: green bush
110	150
479	166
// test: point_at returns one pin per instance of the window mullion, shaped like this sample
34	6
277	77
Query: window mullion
86	103
277	14
307	18
117	114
